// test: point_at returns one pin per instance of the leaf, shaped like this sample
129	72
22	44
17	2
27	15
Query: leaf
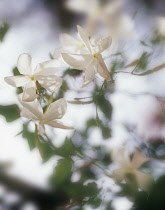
84	193
116	65
10	112
157	68
104	105
16	72
153	200
3	30
67	149
106	131
144	43
73	72
140	63
30	136
47	150
62	172
63	89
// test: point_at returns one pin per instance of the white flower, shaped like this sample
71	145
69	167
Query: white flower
43	74
131	166
160	25
69	45
92	61
110	14
56	110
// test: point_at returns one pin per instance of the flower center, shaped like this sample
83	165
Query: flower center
130	170
32	78
96	55
81	45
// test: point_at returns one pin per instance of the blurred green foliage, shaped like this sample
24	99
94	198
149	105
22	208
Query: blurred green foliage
10	112
3	30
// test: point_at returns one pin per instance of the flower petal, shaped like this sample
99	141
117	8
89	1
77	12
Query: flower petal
29	92
58	124
56	110
77	61
144	180
118	174
102	44
25	113
51	83
102	69
78	6
17	81
121	156
90	72
84	36
138	159
34	107
69	42
24	64
47	68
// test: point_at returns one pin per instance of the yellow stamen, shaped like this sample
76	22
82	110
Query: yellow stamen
32	78
96	56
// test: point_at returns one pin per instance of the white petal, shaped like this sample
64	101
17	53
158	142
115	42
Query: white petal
144	180
78	6
58	124
56	110
34	107
102	69
24	64
25	113
102	44
57	54
138	159
118	174
29	92
17	81
84	36
121	156
77	61
68	41
51	83
47	68
90	73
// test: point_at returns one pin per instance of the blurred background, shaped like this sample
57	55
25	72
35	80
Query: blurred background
134	104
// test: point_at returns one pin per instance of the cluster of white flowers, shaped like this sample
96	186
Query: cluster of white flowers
90	61
84	53
109	14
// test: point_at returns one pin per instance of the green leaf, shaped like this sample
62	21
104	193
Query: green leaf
47	150
67	149
30	136
62	172
73	72
103	104
84	193
116	64
3	30
106	131
16	72
10	112
63	89
157	68
142	62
